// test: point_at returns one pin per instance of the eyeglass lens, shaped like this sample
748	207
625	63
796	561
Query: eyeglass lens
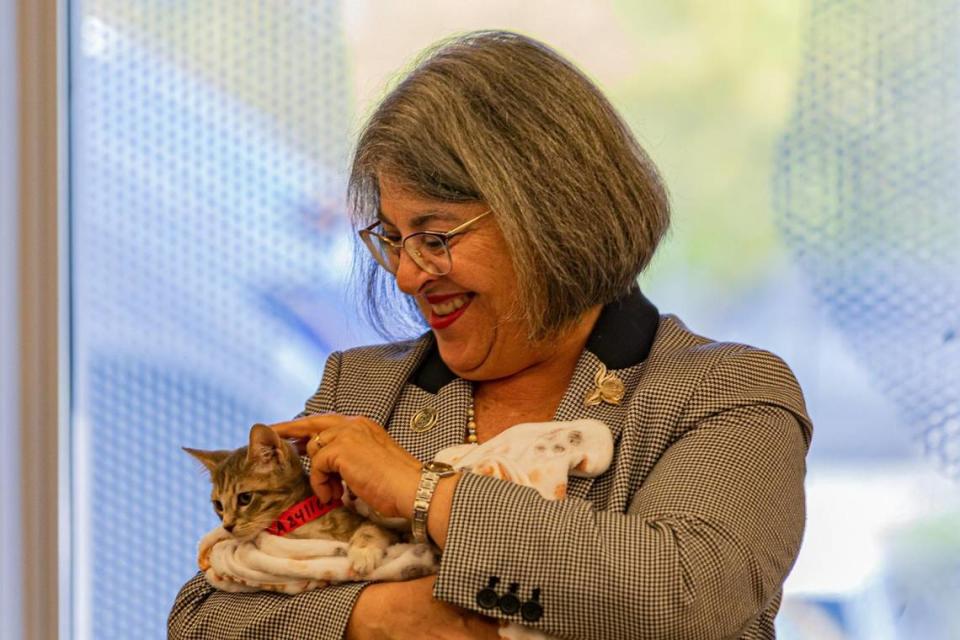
427	250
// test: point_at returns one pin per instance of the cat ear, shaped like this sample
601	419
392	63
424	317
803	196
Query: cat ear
266	448
210	459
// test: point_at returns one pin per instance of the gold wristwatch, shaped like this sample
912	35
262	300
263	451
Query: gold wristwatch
430	475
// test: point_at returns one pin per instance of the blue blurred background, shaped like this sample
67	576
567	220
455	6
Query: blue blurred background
811	151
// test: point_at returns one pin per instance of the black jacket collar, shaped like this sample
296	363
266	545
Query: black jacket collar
621	338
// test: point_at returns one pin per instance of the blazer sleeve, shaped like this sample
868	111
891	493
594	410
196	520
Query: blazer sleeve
703	548
201	612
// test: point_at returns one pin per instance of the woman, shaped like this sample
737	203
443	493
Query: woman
510	205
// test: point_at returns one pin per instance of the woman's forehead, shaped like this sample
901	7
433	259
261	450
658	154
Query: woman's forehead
399	206
418	219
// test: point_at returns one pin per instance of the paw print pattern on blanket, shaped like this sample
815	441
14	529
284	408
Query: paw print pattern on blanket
538	454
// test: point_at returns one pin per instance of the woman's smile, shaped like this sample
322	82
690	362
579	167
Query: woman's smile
446	309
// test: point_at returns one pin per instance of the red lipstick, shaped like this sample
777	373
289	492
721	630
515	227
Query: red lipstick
442	322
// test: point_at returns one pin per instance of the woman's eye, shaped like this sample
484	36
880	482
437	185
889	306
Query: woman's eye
433	243
217	506
243	499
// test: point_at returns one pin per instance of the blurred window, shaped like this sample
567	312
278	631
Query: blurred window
810	152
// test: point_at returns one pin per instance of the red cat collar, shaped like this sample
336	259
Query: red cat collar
300	514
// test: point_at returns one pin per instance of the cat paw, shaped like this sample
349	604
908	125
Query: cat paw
416	571
363	560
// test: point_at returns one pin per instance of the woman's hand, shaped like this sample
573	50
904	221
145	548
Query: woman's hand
408	611
358	450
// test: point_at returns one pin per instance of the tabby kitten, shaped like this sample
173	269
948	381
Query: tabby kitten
253	485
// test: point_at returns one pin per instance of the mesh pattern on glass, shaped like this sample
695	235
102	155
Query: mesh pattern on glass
867	190
210	141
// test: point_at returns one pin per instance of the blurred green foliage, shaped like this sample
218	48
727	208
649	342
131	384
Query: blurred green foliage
711	92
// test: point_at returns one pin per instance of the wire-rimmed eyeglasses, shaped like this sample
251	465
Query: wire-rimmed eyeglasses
430	250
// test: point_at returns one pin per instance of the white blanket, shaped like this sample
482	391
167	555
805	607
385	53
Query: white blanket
540	455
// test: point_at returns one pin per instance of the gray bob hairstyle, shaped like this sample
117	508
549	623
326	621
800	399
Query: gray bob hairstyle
500	118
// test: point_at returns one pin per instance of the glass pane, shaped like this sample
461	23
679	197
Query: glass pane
210	140
810	151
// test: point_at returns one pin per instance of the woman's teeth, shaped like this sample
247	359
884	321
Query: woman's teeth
449	306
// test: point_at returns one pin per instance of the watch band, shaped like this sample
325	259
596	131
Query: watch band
430	476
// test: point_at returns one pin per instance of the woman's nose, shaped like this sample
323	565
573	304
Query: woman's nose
410	277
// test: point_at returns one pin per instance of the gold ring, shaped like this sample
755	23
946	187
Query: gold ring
316	441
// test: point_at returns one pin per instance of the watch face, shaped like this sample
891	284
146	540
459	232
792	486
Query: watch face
438	467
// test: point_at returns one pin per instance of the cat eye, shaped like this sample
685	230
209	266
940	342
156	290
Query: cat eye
218	506
243	499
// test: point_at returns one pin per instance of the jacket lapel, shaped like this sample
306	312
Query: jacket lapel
617	347
378	400
573	406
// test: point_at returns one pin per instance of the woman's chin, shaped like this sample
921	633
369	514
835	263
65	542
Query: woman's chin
457	355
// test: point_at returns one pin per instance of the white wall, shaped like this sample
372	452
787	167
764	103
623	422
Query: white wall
10	583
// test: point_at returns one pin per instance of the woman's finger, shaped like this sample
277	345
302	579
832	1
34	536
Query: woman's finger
326	486
325	482
307	426
314	443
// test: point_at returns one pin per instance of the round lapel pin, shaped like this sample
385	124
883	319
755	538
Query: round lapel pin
423	420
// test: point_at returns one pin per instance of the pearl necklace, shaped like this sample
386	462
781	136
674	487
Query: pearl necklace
471	424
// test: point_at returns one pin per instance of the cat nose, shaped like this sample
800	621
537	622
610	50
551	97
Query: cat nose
229	527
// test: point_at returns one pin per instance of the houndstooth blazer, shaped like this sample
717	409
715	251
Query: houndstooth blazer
689	534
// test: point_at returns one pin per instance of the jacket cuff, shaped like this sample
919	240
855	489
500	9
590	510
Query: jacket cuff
487	528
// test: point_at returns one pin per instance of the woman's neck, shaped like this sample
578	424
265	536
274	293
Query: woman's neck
533	393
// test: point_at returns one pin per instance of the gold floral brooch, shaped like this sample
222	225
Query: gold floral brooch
609	389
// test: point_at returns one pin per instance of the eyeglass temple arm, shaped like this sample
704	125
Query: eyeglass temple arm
466	224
